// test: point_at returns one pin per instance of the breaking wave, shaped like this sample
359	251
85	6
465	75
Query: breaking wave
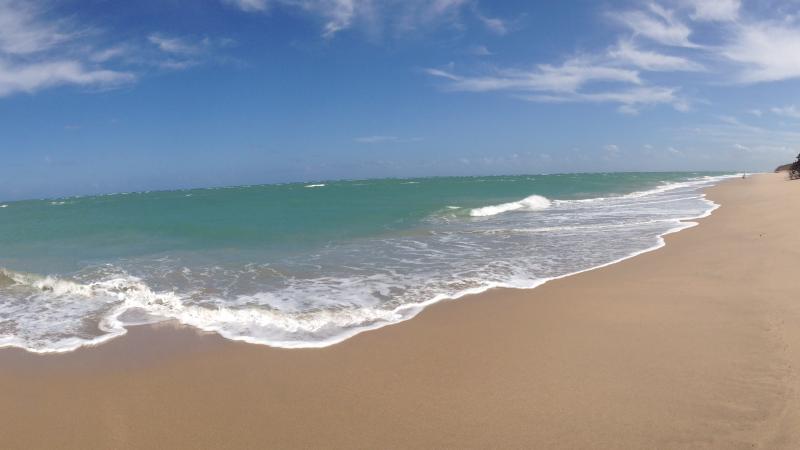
531	203
353	286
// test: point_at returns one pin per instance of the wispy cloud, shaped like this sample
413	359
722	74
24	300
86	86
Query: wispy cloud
480	50
567	77
22	32
732	47
39	51
32	55
657	24
248	5
766	51
173	44
379	139
575	80
630	100
627	52
493	24
788	111
743	48
775	145
714	10
375	16
177	52
31	77
611	151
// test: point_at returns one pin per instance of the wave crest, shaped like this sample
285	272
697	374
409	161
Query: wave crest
531	203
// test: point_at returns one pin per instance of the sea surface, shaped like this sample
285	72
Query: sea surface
309	265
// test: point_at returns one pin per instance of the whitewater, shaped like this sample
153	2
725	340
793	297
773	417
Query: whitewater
292	267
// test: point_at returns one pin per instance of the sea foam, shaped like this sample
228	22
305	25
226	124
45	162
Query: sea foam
351	286
531	203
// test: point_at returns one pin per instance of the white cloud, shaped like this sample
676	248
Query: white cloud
631	100
768	146
379	139
21	31
176	52
493	24
248	5
34	53
788	111
738	49
766	51
338	13
32	77
172	44
376	139
408	16
576	80
108	54
658	24
627	52
39	51
480	50
568	77
714	10
745	48
611	150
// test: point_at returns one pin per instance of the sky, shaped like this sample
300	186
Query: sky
103	96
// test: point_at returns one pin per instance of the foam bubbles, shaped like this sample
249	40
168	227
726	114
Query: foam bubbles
347	287
532	203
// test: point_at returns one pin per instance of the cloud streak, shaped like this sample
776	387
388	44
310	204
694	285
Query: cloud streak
565	78
787	111
714	10
766	51
658	24
380	139
31	50
38	51
574	81
733	48
627	52
401	17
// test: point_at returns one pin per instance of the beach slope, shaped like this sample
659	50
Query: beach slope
693	345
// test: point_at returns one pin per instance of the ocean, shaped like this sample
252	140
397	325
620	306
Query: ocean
309	265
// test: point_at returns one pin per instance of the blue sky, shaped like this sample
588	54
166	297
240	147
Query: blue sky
109	96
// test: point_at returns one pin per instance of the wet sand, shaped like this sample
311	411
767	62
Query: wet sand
694	345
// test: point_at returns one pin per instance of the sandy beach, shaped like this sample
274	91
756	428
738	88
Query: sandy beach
694	345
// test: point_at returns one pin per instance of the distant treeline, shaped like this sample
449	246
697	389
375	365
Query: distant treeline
792	168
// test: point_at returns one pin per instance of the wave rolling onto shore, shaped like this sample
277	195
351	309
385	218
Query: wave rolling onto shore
287	266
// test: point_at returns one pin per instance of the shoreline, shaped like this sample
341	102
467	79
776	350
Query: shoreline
117	329
691	344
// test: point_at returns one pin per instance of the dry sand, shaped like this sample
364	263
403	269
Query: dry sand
694	345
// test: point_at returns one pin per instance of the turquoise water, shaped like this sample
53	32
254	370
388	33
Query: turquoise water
299	265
